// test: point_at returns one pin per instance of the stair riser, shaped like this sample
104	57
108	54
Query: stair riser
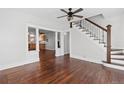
114	52
117	62
117	56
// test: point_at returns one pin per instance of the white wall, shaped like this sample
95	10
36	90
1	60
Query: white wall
98	19
117	22
13	37
82	47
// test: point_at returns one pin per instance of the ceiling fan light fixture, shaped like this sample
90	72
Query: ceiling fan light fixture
69	18
71	14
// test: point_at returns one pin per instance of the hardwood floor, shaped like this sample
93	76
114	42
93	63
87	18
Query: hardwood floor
61	70
46	54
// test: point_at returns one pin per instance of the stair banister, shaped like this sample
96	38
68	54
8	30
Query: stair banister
96	24
108	30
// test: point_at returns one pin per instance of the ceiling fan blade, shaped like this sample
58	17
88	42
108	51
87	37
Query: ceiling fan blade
78	16
64	11
62	16
78	10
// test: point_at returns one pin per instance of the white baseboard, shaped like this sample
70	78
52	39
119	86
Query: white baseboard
114	66
98	62
49	49
117	56
66	53
86	59
16	64
36	59
121	62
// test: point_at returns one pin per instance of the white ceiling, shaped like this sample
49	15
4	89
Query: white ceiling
52	13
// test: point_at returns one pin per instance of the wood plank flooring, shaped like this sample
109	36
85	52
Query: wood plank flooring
61	70
46	54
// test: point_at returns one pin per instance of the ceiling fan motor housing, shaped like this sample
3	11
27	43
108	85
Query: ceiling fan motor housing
70	14
70	9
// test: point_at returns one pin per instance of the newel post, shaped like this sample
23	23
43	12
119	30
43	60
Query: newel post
108	43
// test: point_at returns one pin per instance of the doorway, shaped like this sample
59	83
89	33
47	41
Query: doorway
46	44
42	41
66	43
31	39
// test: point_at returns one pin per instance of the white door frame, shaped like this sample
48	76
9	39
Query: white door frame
33	56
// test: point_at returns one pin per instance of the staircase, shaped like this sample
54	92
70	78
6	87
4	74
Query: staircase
101	35
117	56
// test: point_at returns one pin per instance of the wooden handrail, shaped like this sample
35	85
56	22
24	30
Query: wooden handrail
96	24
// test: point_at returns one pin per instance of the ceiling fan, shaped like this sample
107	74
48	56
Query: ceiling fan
70	15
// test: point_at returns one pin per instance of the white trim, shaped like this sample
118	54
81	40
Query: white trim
37	29
66	53
16	64
32	56
49	49
113	66
62	42
86	59
59	51
117	56
99	62
121	62
44	28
